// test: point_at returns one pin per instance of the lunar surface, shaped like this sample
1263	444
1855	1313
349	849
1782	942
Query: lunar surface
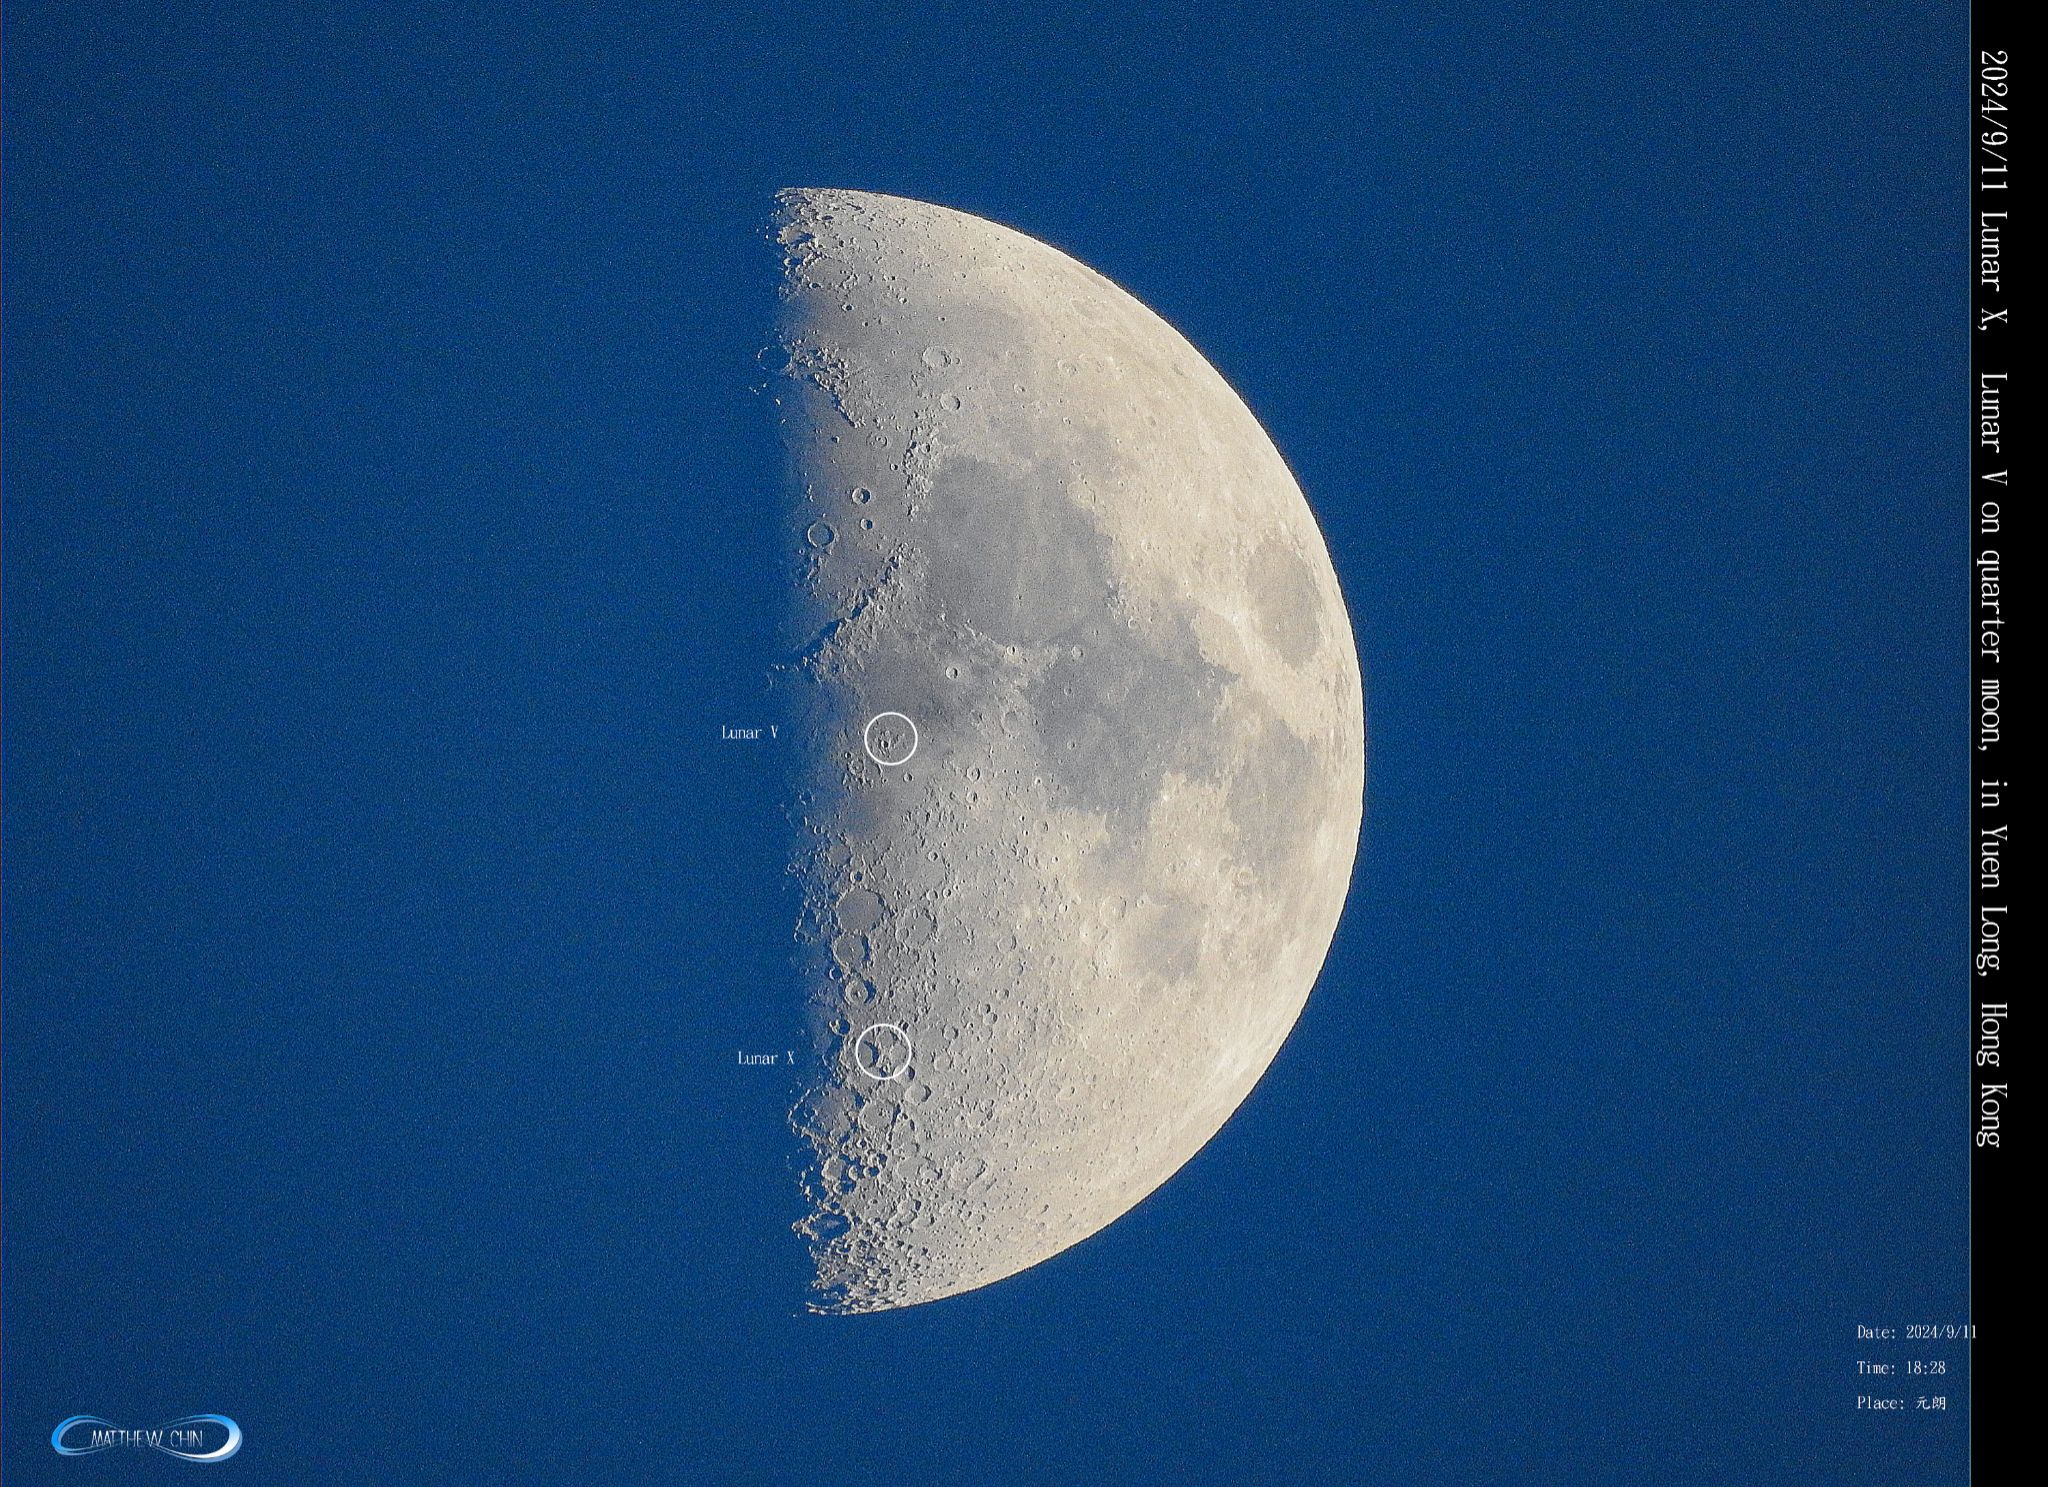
1088	744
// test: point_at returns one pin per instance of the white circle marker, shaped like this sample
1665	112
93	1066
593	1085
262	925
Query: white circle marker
902	1068
867	740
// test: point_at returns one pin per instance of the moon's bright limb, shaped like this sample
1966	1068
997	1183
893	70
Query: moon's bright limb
1089	744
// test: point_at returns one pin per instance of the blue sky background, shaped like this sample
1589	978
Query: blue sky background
388	518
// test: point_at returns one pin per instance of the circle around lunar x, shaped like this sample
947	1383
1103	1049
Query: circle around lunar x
867	740
901	1069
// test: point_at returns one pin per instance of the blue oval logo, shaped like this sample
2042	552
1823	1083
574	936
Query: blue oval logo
189	1437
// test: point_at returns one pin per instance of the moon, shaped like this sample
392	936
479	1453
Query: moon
1087	744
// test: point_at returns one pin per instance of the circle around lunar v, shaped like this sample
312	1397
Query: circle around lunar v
861	1064
867	737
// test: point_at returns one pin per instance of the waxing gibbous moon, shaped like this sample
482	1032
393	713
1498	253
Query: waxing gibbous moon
1087	744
